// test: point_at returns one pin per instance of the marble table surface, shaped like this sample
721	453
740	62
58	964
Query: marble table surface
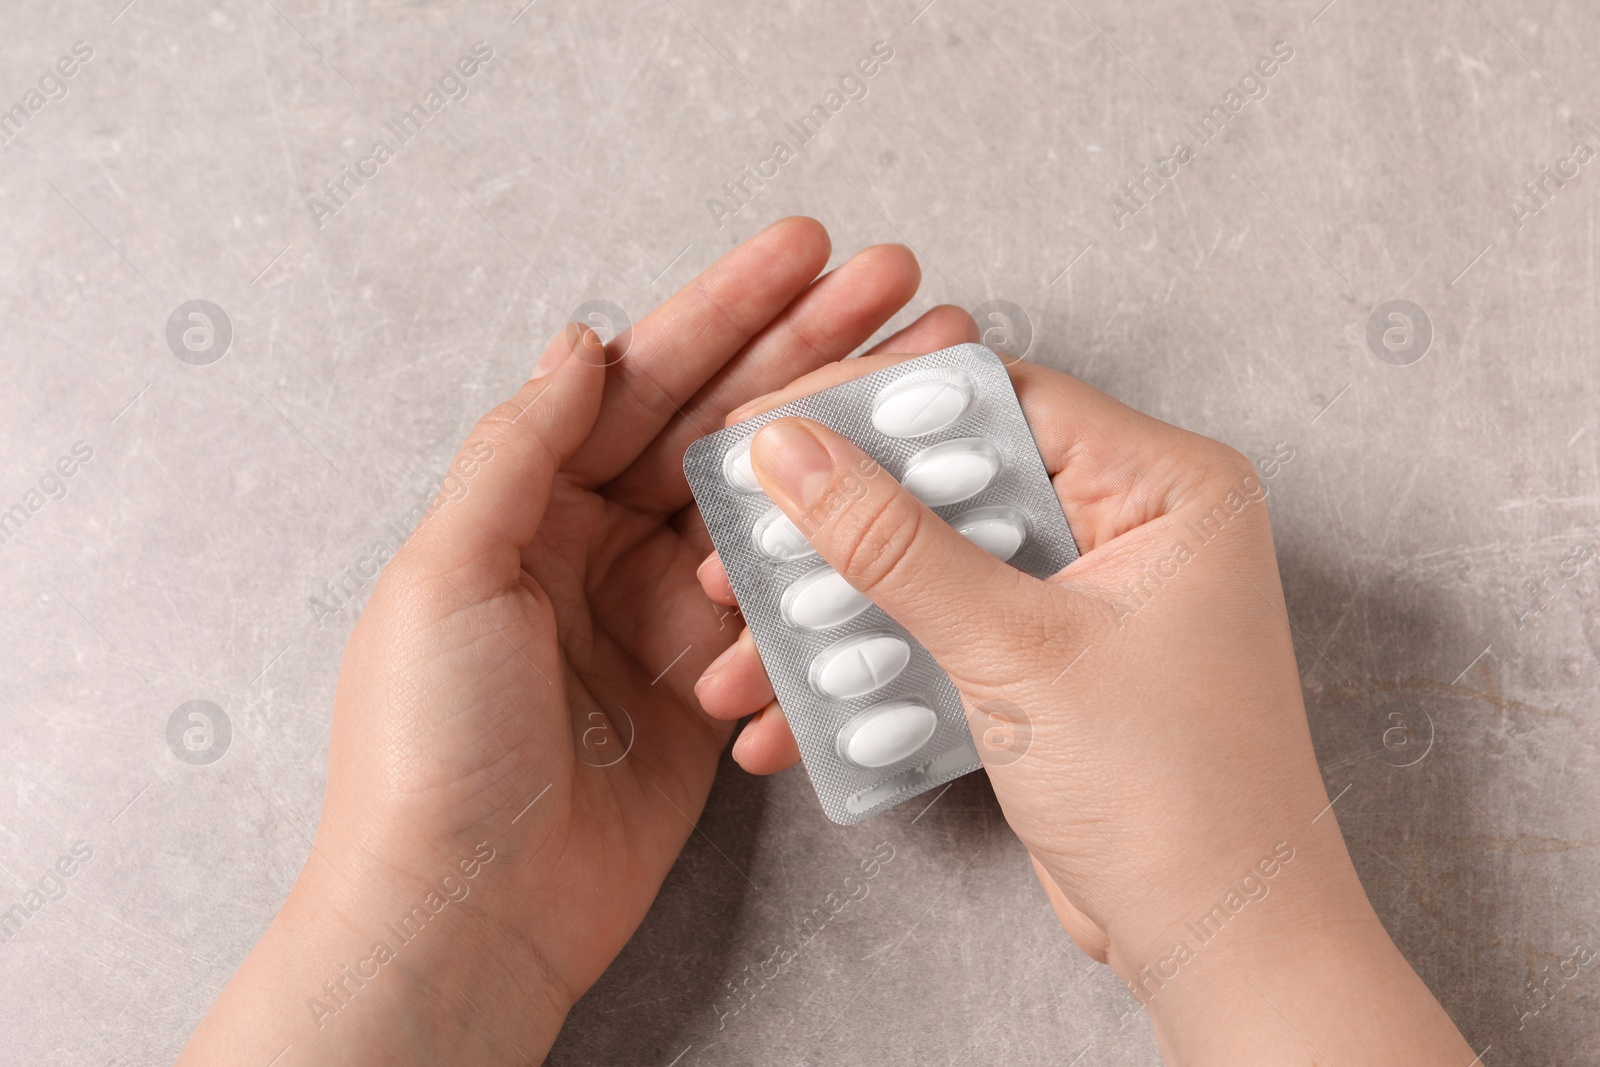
1435	526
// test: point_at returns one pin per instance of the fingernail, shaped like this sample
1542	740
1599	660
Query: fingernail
558	350
700	571
798	464
740	742
748	408
717	664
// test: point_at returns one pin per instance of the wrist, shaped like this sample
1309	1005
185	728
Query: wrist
366	968
1279	892
1302	973
429	960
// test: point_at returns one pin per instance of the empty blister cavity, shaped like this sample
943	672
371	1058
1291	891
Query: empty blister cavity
737	470
913	780
822	599
952	471
999	531
778	538
922	404
859	665
887	733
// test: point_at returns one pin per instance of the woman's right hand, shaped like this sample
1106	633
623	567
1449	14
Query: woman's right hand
1139	715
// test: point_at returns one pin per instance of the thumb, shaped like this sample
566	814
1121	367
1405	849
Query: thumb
945	590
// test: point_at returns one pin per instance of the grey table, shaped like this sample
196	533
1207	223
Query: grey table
1436	524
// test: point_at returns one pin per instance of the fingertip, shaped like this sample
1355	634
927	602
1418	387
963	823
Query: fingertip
805	229
745	410
714	581
736	683
715	704
939	327
556	350
799	241
952	318
712	560
837	373
792	462
593	352
766	745
897	257
493	497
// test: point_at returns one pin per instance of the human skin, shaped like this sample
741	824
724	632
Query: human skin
479	693
479	714
1140	717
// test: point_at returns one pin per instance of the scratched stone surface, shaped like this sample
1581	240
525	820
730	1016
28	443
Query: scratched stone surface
1238	275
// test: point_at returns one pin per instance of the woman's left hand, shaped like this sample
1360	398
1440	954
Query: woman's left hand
518	753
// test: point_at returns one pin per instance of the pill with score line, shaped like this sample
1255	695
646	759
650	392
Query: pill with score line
859	665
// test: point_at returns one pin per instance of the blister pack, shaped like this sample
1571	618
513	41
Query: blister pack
876	720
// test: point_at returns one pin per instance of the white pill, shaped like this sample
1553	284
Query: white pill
736	468
921	404
999	531
859	664
822	599
952	471
887	733
778	538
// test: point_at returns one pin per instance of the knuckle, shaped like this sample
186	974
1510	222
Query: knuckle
818	346
498	421
513	425
710	301
655	402
1232	463
1203	467
875	540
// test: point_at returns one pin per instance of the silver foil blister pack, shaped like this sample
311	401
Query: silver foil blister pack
876	720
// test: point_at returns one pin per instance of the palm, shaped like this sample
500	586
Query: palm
633	632
632	760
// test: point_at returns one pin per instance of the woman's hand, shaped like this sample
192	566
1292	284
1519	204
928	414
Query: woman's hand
1140	717
517	753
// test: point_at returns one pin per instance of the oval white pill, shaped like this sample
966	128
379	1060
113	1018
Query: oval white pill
859	664
778	538
887	733
737	471
952	471
999	531
921	404
822	599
